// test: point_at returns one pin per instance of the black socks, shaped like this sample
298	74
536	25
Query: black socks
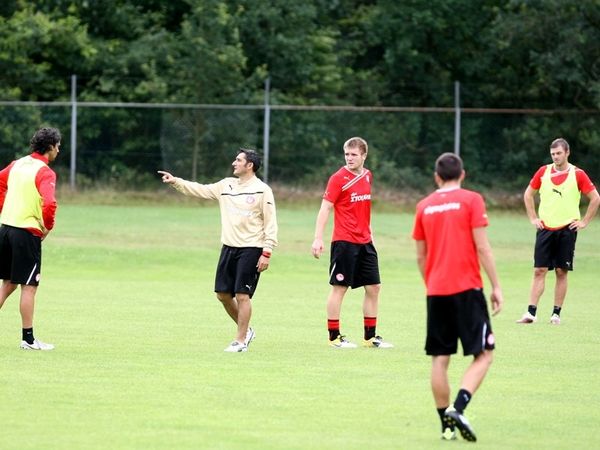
28	335
462	400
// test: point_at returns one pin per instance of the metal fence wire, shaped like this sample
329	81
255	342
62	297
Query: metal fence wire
123	144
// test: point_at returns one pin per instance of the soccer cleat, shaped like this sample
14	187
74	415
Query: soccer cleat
527	318
250	336
37	345
236	347
461	422
377	342
341	342
555	319
448	434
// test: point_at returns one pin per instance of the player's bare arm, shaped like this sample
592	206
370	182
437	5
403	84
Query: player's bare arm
592	208
322	218
486	258
421	256
529	200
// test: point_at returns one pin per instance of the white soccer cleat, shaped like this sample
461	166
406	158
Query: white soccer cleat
250	336
341	342
37	345
236	347
527	318
555	319
377	342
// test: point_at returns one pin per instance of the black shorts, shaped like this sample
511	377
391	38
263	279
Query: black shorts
237	271
555	248
461	316
20	256
353	265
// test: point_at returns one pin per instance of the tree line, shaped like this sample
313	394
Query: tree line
512	54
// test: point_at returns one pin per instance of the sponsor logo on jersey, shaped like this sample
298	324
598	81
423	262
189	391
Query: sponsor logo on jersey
354	197
433	209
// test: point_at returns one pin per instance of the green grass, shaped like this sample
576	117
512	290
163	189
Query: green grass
127	298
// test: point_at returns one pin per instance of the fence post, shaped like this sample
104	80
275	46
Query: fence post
267	125
73	170
457	118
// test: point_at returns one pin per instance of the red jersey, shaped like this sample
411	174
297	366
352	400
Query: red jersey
584	183
445	220
351	198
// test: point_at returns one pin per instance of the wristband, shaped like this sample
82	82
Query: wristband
266	255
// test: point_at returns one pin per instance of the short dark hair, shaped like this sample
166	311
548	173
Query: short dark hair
449	166
560	142
251	156
43	139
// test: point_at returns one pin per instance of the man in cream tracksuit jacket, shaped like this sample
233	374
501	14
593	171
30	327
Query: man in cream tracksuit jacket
28	206
248	235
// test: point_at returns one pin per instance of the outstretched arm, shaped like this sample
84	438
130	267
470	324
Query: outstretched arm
167	177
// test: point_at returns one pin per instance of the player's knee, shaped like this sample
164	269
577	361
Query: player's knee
241	298
487	357
223	297
561	273
373	289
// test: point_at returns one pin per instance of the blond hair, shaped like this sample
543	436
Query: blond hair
357	142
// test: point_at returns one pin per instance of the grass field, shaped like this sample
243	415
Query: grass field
126	297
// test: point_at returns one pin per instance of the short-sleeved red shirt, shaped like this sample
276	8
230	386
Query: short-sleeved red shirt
445	220
351	198
584	183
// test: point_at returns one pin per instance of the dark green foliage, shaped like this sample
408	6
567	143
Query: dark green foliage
517	54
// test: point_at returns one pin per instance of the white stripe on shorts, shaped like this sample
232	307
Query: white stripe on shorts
483	336
332	270
31	274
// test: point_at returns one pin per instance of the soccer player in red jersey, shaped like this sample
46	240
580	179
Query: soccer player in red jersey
451	242
28	205
353	261
560	186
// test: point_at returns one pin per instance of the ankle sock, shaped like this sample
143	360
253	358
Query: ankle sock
370	324
532	309
462	400
333	326
28	335
445	423
556	310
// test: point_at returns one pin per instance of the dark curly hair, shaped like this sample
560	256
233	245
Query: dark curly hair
43	139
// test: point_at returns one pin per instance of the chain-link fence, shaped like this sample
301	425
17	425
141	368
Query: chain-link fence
122	145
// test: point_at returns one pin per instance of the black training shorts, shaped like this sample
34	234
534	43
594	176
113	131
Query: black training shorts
20	256
237	271
555	248
353	265
461	316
